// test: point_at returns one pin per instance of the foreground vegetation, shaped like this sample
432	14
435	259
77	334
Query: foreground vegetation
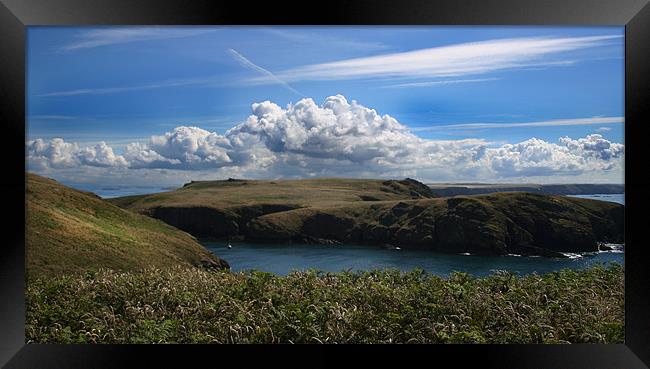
190	305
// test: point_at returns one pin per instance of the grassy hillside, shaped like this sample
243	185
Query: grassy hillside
291	193
70	231
193	306
401	213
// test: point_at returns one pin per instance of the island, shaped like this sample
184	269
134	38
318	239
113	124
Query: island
395	213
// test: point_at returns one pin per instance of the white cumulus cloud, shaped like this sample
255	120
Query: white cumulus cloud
184	148
57	153
336	138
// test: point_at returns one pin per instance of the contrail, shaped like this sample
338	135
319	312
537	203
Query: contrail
248	64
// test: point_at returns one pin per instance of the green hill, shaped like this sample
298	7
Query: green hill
401	213
70	231
234	193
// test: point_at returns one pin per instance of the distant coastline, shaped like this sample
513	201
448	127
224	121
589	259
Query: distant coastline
443	190
455	189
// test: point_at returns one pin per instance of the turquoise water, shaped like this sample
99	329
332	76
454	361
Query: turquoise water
281	259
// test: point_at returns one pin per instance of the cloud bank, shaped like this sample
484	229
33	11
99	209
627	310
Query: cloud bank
336	138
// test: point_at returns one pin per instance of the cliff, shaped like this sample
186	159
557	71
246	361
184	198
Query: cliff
398	213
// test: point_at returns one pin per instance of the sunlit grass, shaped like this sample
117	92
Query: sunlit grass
190	305
73	231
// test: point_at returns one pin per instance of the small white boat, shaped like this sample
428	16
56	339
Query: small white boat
229	246
397	248
572	255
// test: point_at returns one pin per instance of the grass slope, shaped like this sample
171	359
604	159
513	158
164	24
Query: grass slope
322	192
71	231
194	306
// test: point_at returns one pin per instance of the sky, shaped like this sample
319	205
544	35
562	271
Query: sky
160	106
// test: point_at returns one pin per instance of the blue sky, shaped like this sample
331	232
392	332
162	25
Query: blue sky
496	85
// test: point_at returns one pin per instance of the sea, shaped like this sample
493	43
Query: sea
615	197
108	192
282	259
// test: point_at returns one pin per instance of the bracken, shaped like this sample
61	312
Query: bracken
190	305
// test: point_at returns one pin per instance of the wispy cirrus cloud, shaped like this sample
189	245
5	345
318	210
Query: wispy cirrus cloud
545	123
121	35
201	81
462	59
310	38
50	117
250	65
437	83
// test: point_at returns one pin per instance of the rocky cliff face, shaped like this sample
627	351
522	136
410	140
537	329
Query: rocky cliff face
209	222
501	223
495	224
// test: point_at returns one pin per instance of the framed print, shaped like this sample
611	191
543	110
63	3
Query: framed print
249	182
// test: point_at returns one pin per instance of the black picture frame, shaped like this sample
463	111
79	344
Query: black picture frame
16	15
